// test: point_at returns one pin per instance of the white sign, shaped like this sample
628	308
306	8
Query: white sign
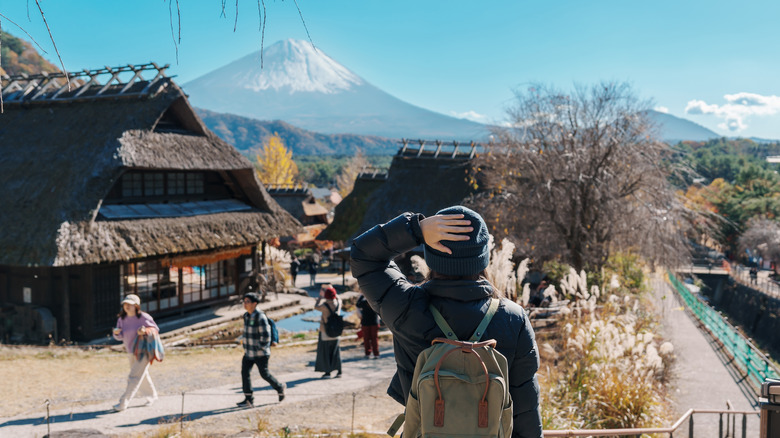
27	294
248	265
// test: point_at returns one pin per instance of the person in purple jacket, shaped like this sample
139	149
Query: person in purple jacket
132	322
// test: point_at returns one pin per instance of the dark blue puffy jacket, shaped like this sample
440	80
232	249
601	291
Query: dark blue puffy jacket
403	306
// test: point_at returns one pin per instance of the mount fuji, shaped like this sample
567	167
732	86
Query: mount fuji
304	87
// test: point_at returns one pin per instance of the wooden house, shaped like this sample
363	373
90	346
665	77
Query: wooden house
299	201
111	185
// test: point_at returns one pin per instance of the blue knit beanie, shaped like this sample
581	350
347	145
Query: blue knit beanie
468	257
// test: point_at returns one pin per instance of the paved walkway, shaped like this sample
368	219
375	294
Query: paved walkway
703	377
301	385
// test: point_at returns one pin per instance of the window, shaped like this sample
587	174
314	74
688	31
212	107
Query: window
137	184
194	183
158	286
176	184
154	184
132	185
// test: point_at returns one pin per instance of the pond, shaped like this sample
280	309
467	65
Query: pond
299	323
302	322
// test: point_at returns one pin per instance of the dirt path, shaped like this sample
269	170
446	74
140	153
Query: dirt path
312	404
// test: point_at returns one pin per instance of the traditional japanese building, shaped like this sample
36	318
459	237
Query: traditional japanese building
424	177
111	185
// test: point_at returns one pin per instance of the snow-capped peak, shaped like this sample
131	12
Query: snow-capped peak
296	66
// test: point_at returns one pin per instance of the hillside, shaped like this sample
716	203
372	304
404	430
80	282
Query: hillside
19	56
248	135
674	129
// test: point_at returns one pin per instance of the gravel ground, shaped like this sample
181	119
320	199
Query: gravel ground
87	383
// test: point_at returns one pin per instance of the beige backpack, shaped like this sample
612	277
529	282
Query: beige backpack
459	388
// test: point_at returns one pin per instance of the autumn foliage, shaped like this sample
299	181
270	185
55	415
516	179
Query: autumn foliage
275	165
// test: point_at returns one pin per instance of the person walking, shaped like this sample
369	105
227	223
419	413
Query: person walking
369	323
130	324
295	265
257	350
457	253
314	263
328	350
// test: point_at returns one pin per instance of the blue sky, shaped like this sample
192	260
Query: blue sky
713	62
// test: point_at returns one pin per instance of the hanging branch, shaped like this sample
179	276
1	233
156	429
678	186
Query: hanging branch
235	23
222	14
178	15
304	24
173	34
25	32
62	64
262	13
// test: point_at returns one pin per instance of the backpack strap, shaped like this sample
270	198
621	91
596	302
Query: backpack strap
485	321
399	421
442	323
445	328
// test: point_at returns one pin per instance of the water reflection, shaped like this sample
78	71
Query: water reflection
302	322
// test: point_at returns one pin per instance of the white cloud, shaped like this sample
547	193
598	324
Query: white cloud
662	109
738	108
470	115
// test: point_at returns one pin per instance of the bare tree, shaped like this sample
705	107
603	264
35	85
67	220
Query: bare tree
345	181
762	237
578	175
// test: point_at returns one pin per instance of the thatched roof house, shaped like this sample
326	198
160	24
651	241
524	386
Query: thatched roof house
300	203
423	177
115	186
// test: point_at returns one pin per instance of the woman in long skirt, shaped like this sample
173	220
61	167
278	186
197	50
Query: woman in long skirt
328	352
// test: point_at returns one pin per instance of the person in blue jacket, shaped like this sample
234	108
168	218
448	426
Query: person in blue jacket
457	253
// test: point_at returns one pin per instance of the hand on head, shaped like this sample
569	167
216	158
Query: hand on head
444	227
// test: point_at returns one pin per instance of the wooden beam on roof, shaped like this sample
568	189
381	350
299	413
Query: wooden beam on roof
422	146
114	77
133	79
85	87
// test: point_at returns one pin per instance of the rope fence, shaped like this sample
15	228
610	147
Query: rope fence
183	416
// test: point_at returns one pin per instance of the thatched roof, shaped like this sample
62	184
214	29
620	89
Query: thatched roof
300	203
349	213
421	179
60	156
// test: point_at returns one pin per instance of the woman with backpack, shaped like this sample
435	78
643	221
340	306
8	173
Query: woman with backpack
328	351
457	253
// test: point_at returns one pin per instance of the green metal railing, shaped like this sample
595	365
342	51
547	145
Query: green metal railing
749	359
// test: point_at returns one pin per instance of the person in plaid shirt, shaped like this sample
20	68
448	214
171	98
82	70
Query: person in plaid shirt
257	349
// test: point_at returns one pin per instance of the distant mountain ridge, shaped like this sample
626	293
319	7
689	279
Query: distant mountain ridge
306	88
248	136
675	129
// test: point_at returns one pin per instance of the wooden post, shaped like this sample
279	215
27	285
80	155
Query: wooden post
65	306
